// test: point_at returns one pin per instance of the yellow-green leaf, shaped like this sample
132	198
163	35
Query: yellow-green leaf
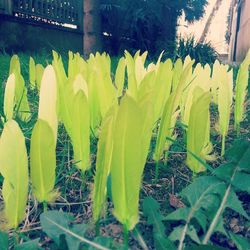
39	74
43	162
48	99
120	76
14	169
32	73
9	97
81	131
103	162
198	131
126	167
241	92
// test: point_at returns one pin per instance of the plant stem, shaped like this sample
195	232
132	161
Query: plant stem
237	129
156	171
45	206
217	216
97	228
223	145
83	180
16	236
219	211
125	236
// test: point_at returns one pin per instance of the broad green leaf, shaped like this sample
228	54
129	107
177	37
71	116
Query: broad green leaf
56	223
103	162
32	73
9	97
14	169
43	162
203	197
229	197
48	99
234	203
126	167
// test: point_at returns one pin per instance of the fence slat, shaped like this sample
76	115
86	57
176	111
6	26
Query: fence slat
61	11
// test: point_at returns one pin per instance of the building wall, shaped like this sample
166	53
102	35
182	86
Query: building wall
243	39
240	31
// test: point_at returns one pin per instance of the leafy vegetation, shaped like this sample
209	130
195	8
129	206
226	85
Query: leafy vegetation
97	131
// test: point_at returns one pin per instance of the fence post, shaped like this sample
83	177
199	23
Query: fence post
6	7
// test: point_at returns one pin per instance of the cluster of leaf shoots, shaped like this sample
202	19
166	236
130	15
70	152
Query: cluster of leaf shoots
123	114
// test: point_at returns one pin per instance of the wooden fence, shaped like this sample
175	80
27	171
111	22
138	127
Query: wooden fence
52	11
64	16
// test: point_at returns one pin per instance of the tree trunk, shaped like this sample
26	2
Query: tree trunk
209	21
92	26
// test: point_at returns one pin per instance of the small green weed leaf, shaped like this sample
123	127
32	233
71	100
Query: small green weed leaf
56	224
182	214
4	240
205	247
224	171
32	73
241	181
162	242
234	203
191	232
151	211
240	153
29	245
241	243
220	227
202	191
103	241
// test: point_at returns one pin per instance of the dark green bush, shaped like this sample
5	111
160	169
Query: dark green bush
202	52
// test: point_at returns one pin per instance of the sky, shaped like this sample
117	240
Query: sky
217	30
